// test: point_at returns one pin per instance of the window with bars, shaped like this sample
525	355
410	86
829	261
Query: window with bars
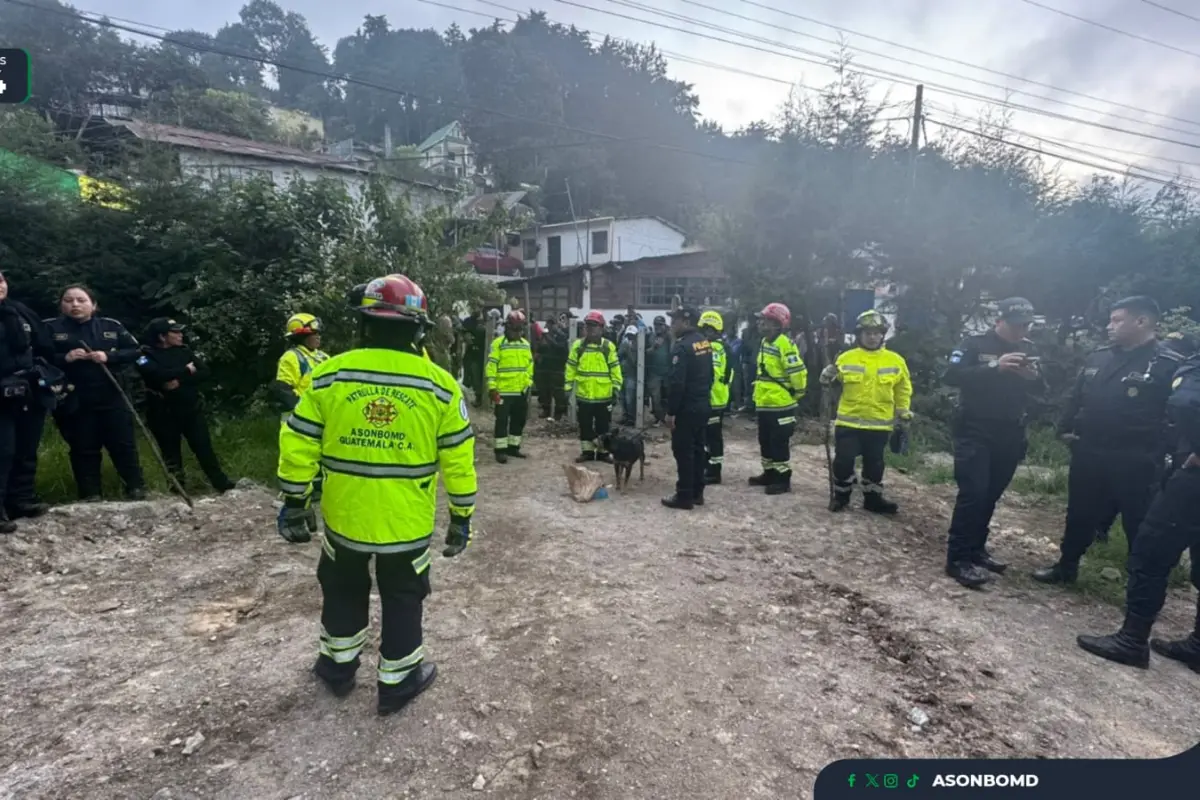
655	292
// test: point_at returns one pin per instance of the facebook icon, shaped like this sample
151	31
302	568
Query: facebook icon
850	780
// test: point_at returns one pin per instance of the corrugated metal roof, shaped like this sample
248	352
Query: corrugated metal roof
221	143
437	136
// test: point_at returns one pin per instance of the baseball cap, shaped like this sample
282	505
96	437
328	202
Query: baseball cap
161	325
690	313
1016	310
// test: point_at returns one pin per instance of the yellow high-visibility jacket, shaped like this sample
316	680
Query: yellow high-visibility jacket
510	367
722	376
781	377
295	367
593	371
875	386
381	425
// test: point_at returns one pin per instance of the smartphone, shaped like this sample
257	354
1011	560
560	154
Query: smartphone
1033	359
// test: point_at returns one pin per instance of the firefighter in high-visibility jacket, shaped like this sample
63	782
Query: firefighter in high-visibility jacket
780	380
712	325
293	373
876	392
594	374
509	380
382	421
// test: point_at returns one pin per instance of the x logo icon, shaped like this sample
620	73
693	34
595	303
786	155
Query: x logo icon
872	780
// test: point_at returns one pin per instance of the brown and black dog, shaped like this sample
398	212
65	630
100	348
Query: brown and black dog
627	447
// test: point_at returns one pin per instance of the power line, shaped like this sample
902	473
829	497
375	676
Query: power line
875	72
514	117
1170	10
951	73
961	63
265	60
1043	153
1111	29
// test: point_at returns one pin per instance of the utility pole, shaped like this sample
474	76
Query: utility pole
918	117
574	223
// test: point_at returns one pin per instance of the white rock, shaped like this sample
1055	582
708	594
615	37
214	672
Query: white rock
1110	574
193	743
479	784
918	717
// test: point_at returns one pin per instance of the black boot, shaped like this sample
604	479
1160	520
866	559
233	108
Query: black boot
339	685
782	483
967	574
989	562
514	451
394	698
6	524
1129	646
760	480
585	458
712	476
28	509
1186	651
501	457
136	494
840	501
677	502
876	503
1058	573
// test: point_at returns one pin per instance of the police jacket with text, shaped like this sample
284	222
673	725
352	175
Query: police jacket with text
987	394
1183	407
1120	397
100	334
169	382
690	381
382	424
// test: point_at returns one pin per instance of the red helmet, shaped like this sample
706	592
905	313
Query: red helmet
394	297
594	316
516	318
778	312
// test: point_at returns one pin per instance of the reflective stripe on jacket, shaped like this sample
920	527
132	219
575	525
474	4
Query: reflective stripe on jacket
875	385
510	367
781	377
593	370
296	365
381	425
722	376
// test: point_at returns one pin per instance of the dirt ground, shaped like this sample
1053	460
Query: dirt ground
606	650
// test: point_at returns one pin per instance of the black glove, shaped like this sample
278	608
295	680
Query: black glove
297	520
458	536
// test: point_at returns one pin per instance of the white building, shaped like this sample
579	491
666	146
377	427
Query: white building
449	152
598	241
216	157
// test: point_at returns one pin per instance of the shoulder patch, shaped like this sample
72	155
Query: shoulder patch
143	361
462	409
1175	384
793	358
956	357
110	334
675	359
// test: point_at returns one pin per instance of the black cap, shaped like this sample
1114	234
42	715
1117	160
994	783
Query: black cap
1016	310
160	325
690	313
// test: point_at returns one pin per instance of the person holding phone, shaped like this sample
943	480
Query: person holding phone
996	374
1116	423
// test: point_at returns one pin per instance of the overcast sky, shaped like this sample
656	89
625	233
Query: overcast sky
1010	36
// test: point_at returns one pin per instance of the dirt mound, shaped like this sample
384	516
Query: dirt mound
612	649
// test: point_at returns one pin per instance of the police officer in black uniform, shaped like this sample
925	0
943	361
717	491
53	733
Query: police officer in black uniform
94	415
173	374
1116	423
1171	526
28	412
996	374
689	385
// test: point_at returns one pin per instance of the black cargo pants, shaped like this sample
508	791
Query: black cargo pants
775	428
1171	526
986	456
345	578
687	445
1101	479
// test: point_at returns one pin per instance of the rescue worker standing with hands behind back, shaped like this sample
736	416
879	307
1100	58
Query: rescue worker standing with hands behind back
712	324
780	380
996	374
594	374
689	403
876	393
383	422
509	379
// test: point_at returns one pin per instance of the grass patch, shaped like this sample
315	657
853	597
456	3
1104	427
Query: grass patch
1111	555
248	448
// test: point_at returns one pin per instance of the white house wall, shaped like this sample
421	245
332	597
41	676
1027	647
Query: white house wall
225	165
628	240
632	239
